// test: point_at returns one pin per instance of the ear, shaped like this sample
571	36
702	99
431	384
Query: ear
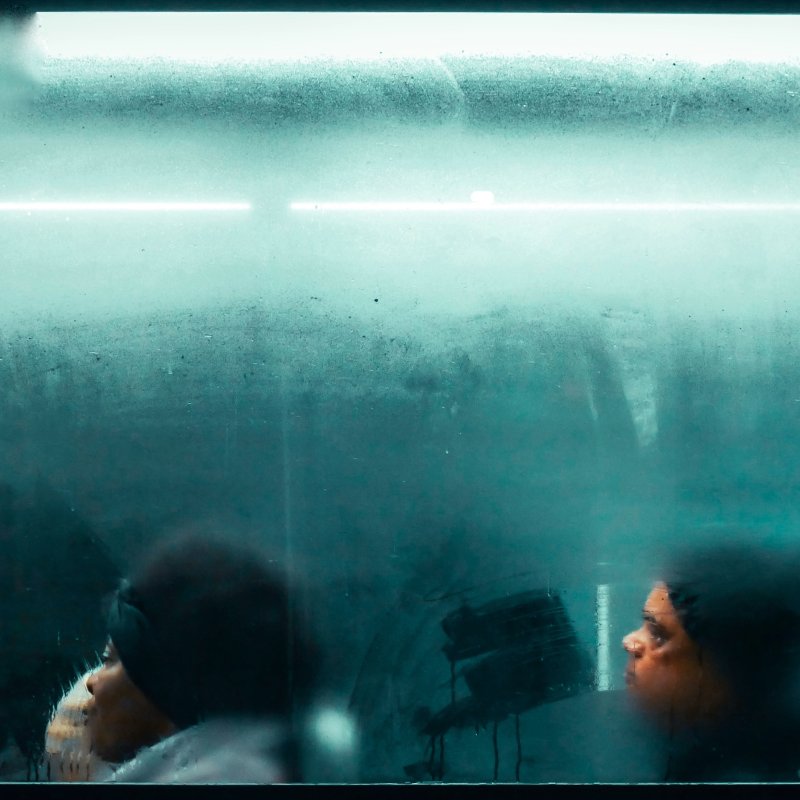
715	696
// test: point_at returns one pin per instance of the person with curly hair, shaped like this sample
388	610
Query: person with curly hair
716	663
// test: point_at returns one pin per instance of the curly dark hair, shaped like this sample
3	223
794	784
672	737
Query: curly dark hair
740	603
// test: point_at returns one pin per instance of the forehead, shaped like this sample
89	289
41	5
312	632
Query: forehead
658	603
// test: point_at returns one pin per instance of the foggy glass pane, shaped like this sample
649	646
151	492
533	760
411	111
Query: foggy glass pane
468	327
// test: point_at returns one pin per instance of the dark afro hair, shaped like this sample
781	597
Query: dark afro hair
740	602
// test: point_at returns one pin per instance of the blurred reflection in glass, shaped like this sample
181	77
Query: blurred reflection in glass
715	663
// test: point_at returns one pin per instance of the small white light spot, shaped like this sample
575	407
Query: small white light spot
482	197
335	730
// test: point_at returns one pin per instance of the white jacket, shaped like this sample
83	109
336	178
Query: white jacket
215	751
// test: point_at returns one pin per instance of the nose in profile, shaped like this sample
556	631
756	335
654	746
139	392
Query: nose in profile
90	682
633	644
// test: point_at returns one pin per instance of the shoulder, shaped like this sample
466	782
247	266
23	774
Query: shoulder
217	751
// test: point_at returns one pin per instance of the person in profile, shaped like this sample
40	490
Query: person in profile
716	663
205	666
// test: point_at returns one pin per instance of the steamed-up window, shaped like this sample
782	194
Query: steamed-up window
469	320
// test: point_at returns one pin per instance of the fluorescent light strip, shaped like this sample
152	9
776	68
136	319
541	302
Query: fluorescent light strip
546	207
602	617
96	206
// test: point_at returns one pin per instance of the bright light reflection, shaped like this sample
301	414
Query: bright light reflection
281	36
335	729
602	617
490	207
131	206
482	197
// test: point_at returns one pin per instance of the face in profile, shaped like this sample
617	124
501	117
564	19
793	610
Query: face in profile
667	673
120	718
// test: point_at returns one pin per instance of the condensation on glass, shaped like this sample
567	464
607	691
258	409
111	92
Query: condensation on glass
467	317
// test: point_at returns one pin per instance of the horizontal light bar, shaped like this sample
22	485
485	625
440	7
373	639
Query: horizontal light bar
97	206
288	36
547	207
